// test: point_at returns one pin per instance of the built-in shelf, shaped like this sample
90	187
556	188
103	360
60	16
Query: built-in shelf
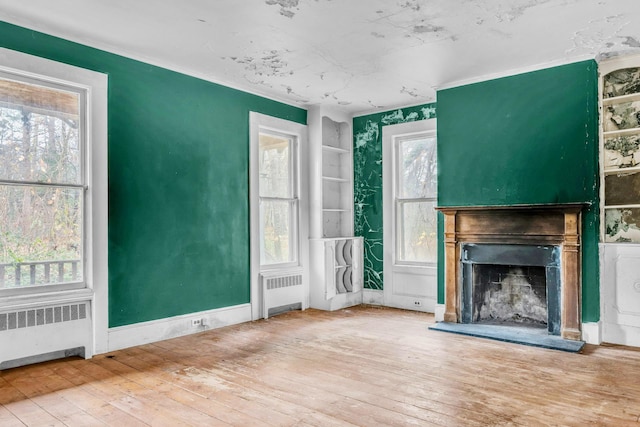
623	206
620	151
334	190
618	171
621	132
621	99
336	266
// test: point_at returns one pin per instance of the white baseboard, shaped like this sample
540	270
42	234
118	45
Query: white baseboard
592	333
439	312
622	335
172	327
372	296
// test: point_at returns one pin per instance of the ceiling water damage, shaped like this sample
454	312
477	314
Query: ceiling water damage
355	55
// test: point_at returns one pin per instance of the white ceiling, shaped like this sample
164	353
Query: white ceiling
357	55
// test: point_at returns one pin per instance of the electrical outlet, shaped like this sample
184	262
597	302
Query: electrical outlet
417	303
196	322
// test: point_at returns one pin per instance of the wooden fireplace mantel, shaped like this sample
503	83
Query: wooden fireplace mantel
542	224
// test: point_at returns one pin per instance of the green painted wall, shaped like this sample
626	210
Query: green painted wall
178	182
528	138
367	171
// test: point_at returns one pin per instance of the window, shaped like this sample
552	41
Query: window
278	198
42	183
415	189
279	210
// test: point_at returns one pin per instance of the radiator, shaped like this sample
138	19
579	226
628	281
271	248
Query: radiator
45	333
282	291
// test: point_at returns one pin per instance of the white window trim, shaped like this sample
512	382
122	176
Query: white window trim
389	187
96	201
257	123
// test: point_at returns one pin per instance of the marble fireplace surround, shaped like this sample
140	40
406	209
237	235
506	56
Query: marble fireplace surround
540	224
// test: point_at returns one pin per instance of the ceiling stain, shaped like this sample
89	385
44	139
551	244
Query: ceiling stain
298	98
600	35
411	4
379	107
270	64
631	42
428	28
285	6
516	12
411	92
372	54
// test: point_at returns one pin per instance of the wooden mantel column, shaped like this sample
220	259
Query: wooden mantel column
451	252
570	316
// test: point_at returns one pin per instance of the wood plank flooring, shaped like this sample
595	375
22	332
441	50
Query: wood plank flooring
364	366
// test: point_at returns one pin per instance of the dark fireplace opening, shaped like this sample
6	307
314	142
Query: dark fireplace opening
511	285
509	294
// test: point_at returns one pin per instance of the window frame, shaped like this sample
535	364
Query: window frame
398	202
83	186
293	201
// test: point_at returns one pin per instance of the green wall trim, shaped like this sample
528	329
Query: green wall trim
178	182
367	172
526	139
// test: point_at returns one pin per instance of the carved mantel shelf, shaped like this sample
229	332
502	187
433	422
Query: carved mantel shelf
536	224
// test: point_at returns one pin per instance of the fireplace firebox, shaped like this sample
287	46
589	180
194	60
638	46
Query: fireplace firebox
511	285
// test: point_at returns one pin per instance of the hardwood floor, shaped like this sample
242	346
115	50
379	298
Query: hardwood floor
362	366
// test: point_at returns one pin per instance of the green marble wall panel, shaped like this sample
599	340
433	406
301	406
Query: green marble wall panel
367	171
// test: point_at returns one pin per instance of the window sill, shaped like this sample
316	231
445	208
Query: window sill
20	302
415	268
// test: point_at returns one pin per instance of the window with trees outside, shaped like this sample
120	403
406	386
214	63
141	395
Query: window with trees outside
415	199
278	199
42	184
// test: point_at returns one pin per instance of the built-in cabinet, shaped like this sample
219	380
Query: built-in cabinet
337	279
620	139
336	255
620	198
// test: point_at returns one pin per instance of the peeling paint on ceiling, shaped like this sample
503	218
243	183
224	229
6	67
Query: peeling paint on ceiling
354	55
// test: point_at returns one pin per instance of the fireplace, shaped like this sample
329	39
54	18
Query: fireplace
508	265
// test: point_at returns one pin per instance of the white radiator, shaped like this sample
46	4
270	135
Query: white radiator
282	291
38	334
